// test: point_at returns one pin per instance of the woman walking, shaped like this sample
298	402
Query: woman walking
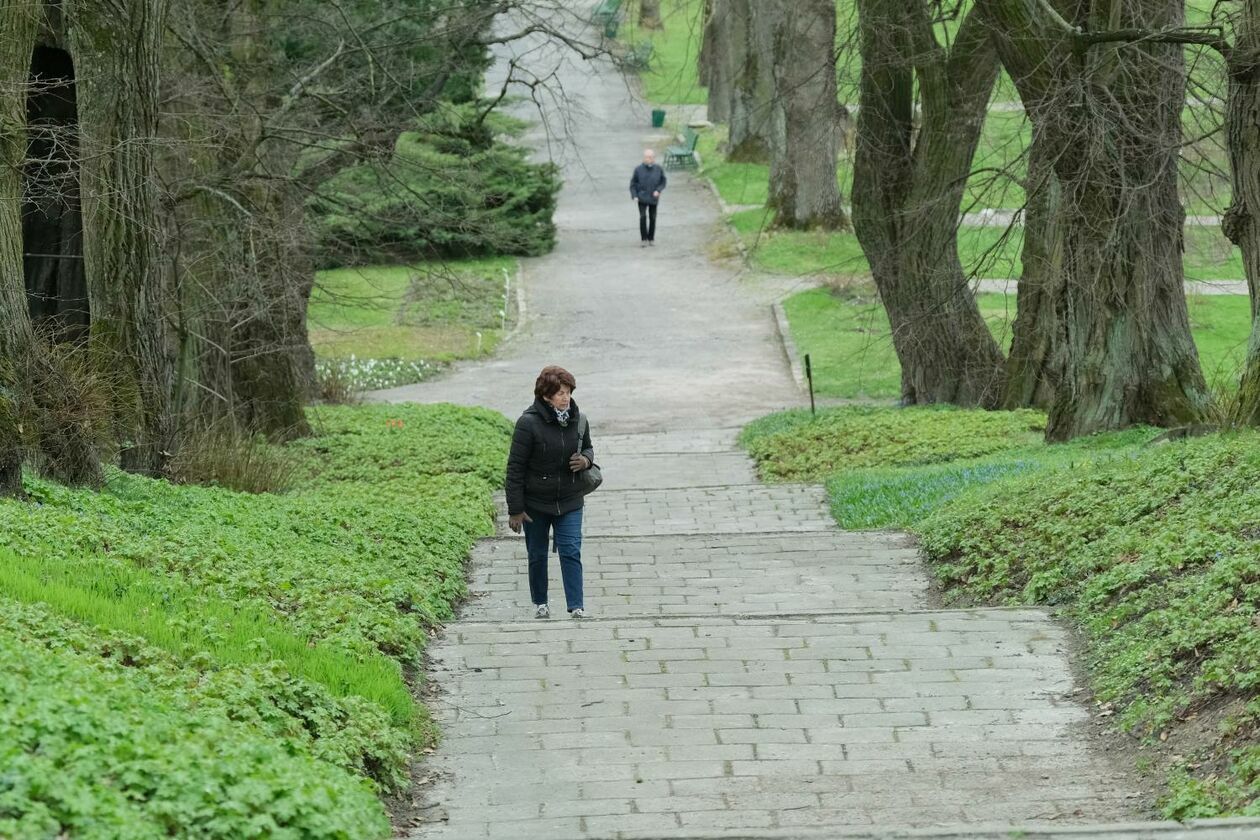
551	445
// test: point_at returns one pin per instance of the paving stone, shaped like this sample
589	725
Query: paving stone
739	509
859	747
763	573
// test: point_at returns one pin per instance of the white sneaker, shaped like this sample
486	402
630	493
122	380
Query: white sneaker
578	613
542	611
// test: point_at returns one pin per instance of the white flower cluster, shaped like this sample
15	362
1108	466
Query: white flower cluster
374	374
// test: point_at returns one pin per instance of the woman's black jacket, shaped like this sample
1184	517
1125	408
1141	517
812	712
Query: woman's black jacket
538	476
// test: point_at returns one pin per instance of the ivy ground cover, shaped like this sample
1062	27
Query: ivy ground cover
192	661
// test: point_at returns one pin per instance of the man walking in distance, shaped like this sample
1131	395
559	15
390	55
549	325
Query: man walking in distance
646	185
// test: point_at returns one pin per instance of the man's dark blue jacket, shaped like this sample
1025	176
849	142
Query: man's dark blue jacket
647	180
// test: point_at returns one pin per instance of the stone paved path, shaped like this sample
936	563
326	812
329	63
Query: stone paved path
750	671
742	676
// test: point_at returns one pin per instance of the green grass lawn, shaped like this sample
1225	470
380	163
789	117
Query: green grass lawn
795	446
998	168
887	467
1221	325
430	311
672	78
847	336
1002	146
737	183
849	342
385	326
1153	550
984	251
194	661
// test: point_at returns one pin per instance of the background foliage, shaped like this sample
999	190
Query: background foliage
450	189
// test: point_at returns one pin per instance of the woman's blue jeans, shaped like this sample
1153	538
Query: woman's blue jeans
568	540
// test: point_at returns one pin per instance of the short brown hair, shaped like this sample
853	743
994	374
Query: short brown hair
550	380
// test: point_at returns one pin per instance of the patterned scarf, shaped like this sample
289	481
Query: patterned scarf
562	416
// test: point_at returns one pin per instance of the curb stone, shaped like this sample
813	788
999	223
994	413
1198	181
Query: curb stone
789	344
522	313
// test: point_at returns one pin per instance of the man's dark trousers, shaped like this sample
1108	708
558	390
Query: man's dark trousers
647	221
646	185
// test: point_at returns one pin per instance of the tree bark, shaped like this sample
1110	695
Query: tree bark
650	14
1110	118
273	367
1035	365
52	226
713	60
907	190
805	133
245	280
205	286
18	20
1242	220
748	63
117	48
47	408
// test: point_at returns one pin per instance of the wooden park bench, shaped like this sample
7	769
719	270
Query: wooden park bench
683	156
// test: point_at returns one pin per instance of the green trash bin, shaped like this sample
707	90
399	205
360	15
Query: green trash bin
658	118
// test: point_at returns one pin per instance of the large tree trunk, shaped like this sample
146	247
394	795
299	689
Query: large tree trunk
244	280
204	287
1111	122
18	20
52	226
47	406
735	66
805	138
117	47
650	14
273	365
748	62
713	60
1035	365
1242	221
907	190
273	369
244	356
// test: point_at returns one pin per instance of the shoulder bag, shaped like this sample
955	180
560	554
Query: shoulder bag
591	477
